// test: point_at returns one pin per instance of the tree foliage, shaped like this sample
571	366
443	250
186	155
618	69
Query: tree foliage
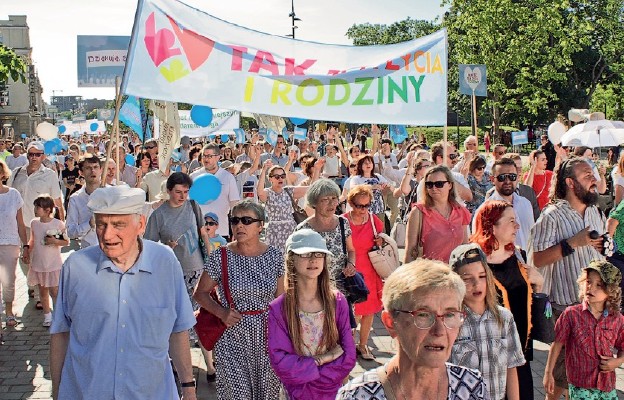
11	66
542	58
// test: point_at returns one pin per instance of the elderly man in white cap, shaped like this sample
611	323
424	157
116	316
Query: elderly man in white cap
121	312
31	181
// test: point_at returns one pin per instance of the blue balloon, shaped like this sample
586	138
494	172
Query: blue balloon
205	189
225	138
49	147
62	129
130	160
94	126
24	136
201	115
64	145
298	121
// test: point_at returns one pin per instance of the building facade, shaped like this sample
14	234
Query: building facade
23	106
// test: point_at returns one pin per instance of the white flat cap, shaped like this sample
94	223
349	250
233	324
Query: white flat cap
120	199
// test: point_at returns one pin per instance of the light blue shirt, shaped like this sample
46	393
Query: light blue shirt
78	217
119	324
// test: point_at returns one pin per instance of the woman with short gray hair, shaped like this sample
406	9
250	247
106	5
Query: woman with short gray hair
423	312
323	197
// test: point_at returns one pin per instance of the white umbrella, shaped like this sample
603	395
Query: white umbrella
593	134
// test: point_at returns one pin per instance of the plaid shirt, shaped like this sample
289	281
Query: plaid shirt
586	339
484	345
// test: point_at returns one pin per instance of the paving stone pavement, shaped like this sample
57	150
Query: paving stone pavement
25	373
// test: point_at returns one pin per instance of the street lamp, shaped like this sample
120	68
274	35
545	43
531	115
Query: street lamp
293	18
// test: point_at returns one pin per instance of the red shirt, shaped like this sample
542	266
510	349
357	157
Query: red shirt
440	236
585	339
541	187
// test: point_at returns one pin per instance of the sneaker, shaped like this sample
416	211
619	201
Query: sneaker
47	319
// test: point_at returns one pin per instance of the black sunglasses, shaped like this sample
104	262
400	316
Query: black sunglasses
504	177
453	156
211	223
244	220
362	206
278	176
150	147
438	184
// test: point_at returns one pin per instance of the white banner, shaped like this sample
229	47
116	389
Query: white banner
106	58
179	53
221	120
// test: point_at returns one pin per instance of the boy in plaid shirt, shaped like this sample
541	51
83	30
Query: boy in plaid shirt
592	332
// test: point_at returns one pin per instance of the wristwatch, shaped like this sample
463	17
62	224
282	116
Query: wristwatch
188	384
26	246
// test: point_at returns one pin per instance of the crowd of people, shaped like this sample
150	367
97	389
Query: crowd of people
280	257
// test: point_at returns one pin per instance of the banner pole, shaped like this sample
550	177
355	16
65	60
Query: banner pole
115	128
474	112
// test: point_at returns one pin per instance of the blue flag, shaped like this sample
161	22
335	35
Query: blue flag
240	135
398	133
130	114
300	133
271	136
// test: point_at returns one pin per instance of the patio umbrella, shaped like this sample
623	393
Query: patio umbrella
593	134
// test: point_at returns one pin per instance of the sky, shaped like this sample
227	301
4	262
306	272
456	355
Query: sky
55	24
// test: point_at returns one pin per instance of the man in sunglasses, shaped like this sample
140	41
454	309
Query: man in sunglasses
151	146
561	243
505	179
229	194
499	151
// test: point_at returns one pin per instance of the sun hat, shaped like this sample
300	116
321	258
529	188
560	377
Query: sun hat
306	241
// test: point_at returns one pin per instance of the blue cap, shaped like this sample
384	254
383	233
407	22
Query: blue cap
212	216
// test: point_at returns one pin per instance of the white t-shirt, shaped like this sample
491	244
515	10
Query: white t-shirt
332	166
16	162
221	206
391	159
10	203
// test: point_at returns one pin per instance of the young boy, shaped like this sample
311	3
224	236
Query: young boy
209	232
592	332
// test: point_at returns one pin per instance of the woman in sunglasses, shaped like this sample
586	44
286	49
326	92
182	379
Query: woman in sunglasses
361	221
495	232
255	278
279	200
310	342
423	312
479	183
438	223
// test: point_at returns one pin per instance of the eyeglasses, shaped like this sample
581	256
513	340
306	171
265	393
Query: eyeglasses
481	168
212	223
423	166
34	154
211	155
500	153
150	147
453	156
362	206
315	254
424	319
277	176
438	184
504	177
352	166
244	220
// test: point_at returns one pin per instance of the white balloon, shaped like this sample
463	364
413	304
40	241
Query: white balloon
555	131
47	131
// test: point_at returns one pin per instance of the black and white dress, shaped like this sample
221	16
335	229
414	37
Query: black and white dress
243	367
279	210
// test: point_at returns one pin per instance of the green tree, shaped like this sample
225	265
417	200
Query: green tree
11	65
401	31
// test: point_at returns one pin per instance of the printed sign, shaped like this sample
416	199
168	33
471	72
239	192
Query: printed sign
520	137
473	79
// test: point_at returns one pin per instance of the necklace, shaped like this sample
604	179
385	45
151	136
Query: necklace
398	374
364	220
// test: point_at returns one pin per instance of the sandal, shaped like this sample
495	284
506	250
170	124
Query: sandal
39	306
10	320
365	352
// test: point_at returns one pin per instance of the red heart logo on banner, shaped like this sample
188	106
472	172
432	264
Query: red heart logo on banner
159	44
196	47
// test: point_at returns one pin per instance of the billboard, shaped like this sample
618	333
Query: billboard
101	59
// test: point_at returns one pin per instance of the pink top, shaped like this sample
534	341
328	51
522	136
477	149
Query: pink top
440	236
44	258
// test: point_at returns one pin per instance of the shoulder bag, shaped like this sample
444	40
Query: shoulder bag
200	223
354	286
385	259
298	214
209	327
417	251
398	232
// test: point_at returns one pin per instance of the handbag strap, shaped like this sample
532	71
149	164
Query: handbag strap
295	206
419	225
198	220
224	277
342	235
370	216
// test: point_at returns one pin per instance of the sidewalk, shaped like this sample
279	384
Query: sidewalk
25	374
